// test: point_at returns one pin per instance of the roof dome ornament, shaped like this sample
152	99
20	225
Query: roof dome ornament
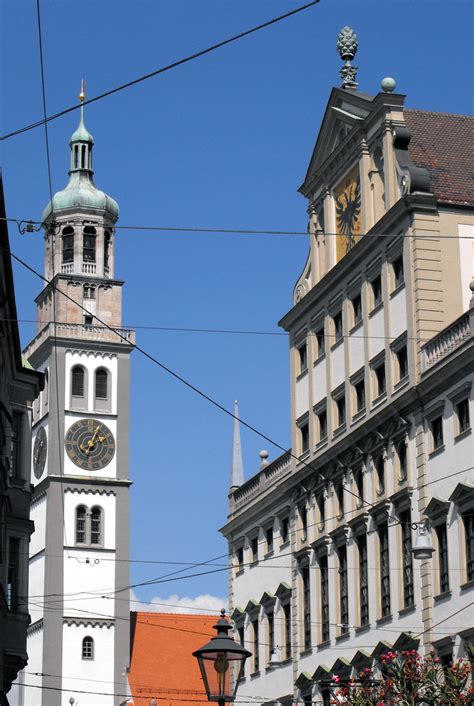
80	191
347	47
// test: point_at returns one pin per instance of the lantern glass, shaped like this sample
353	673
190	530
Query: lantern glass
219	676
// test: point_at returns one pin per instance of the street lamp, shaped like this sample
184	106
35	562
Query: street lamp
214	660
423	548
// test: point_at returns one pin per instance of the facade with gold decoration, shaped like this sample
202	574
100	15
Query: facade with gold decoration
323	577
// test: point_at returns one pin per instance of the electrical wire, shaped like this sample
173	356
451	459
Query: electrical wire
162	70
54	346
35	226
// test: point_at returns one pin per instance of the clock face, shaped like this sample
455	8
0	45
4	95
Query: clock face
39	452
90	444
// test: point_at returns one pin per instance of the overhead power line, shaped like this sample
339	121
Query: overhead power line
163	69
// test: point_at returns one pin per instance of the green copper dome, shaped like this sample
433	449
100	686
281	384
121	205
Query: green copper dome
80	191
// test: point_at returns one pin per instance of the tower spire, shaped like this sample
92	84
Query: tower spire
237	470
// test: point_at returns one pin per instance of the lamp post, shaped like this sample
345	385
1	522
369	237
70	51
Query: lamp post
215	659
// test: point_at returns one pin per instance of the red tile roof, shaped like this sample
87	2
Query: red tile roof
443	143
162	665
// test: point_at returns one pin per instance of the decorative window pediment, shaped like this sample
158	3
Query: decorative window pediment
253	608
283	591
238	615
381	648
342	667
405	642
267	600
361	659
437	509
304	681
463	496
322	673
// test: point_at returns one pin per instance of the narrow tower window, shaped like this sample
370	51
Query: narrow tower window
76	156
101	384
96	525
68	244
106	251
77	381
83	157
88	648
81	525
88	244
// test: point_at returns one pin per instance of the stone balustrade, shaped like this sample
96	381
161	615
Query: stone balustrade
445	342
265	478
83	332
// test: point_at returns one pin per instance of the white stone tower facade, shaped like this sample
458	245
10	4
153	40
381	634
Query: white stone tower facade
79	552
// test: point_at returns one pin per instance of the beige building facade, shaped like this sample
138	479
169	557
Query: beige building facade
322	576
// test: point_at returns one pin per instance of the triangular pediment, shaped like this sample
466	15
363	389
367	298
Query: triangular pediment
304	681
345	113
405	641
437	507
463	494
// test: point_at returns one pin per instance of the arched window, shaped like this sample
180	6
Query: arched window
76	156
46	388
106	251
88	244
88	648
68	244
77	381
81	519
402	460
101	379
96	525
83	157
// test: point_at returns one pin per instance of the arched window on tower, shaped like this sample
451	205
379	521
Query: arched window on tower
81	520
88	648
78	387
88	244
83	157
102	390
68	244
76	156
96	526
106	252
45	393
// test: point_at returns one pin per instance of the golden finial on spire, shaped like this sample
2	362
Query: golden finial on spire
82	94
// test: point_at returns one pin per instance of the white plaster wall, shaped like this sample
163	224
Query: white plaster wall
319	381
91	361
270	685
356	350
337	366
90	499
38	515
97	576
302	395
36	587
466	251
70	468
32	696
77	672
398	313
376	332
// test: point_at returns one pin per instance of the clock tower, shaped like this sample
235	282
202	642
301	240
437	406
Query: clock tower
79	569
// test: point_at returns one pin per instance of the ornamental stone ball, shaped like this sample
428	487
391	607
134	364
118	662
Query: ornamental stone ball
388	84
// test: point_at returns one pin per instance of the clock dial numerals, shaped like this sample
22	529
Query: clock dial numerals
40	449
90	444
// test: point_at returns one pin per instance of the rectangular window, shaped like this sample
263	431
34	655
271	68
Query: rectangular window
284	529
376	287
357	309
384	559
443	566
271	634
88	248
359	389
379	464
89	291
341	411
402	360
255	650
462	413
398	275
324	574
302	359
88	318
322	425
321	342
363	580
322	509
304	431
287	619
337	322
306	607
343	589
240	558
241	632
407	562
340	498
437	432
304	523
468	521
68	248
254	548
269	539
13	587
15	446
380	380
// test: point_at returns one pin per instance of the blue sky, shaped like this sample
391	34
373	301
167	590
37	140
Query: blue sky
220	142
